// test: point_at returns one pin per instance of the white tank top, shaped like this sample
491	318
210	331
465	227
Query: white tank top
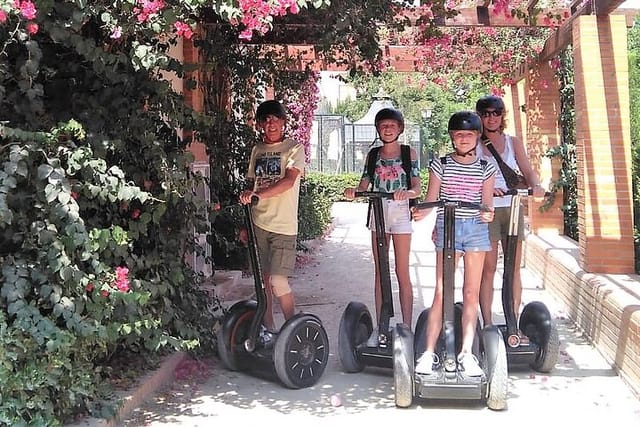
509	157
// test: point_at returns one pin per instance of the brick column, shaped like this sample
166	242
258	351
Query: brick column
542	107
603	144
194	96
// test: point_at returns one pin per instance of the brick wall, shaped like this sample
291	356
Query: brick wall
605	307
603	144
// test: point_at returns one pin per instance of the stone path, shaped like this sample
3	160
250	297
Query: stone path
583	389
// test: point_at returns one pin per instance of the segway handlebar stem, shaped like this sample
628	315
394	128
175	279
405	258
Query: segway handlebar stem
374	194
257	277
523	192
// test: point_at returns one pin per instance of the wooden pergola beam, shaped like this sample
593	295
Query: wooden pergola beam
484	16
563	35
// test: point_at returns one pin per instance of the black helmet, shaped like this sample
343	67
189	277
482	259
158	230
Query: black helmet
390	114
270	108
465	120
489	101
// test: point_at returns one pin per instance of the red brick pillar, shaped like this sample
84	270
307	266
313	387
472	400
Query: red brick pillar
542	108
603	144
193	96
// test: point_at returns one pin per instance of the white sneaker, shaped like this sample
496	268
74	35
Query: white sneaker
373	338
426	362
470	365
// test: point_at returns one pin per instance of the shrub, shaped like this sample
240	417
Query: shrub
83	276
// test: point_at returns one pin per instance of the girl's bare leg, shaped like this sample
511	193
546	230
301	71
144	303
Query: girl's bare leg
401	249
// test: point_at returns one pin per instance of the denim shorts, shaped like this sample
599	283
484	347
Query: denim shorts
472	235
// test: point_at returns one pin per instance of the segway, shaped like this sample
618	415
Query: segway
448	381
395	347
298	352
542	349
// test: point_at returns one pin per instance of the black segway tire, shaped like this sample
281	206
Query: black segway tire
233	333
420	337
495	368
355	327
536	323
548	352
403	366
301	351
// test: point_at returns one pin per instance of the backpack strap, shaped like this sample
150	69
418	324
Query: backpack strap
372	158
405	154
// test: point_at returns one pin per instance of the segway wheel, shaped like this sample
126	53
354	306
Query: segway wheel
537	324
403	366
498	378
420	337
355	327
547	353
233	333
301	352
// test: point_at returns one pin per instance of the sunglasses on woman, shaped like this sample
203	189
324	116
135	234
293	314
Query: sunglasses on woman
489	113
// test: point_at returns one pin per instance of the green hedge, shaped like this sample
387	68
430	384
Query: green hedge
319	191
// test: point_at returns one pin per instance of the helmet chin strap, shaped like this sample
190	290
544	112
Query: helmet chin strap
471	152
388	142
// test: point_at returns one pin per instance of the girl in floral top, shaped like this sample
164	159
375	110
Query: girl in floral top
390	177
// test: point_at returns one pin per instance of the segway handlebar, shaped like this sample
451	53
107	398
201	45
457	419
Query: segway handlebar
454	203
374	194
523	192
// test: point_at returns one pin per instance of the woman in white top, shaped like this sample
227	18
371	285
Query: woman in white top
492	111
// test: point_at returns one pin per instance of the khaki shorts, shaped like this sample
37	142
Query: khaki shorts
499	227
277	252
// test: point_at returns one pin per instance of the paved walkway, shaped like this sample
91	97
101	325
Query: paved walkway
583	389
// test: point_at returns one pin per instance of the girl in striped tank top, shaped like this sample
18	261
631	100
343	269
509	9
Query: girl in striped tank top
460	176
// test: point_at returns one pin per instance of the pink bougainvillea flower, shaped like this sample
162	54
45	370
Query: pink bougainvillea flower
216	207
75	195
121	283
243	236
3	17
183	30
116	33
32	28
135	213
148	9
89	287
104	293
27	8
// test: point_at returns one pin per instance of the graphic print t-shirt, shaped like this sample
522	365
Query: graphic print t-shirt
268	164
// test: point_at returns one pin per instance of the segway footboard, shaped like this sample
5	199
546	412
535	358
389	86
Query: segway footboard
450	386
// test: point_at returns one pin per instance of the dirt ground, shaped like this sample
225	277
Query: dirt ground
582	388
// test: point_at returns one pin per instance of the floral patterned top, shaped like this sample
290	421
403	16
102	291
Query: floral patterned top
390	175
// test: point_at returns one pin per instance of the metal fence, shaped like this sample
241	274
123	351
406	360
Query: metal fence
338	146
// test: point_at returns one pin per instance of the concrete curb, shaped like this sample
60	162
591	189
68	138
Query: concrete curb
147	387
